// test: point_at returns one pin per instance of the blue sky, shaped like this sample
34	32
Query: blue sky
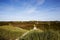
24	10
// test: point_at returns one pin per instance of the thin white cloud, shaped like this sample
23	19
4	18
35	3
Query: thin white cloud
37	2
30	10
40	2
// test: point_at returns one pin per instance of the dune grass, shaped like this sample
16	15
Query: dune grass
10	32
38	35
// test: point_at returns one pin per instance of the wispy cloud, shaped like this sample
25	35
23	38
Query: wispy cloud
28	10
40	2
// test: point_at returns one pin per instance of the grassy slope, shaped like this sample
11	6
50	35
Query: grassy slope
10	32
38	35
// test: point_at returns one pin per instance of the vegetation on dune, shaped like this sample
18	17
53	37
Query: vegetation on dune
10	32
37	35
45	30
29	24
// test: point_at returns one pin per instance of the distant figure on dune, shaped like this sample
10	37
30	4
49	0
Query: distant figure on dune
34	27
